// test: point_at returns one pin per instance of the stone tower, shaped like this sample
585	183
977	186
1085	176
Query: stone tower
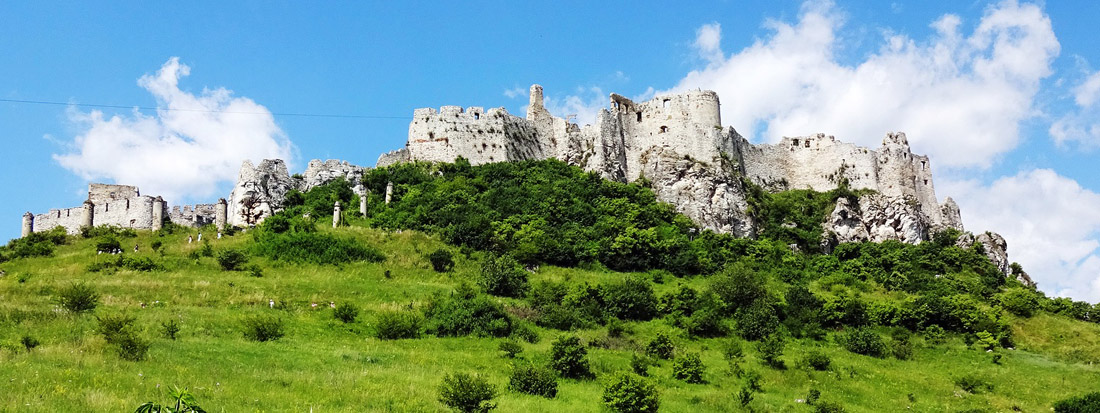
88	217
158	213
336	214
28	223
389	192
221	214
363	203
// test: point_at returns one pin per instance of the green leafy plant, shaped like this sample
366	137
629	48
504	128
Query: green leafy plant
29	342
688	368
660	347
399	324
771	348
262	328
346	312
78	298
974	383
180	401
117	330
232	259
862	340
510	348
466	393
817	360
442	260
502	275
640	364
631	394
170	328
1087	403
533	380
569	358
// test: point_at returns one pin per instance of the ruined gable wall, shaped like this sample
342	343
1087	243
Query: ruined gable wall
70	218
479	136
104	193
136	212
809	162
193	216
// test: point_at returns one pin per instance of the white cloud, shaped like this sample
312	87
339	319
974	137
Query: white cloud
580	108
193	143
959	97
1082	125
708	42
1051	223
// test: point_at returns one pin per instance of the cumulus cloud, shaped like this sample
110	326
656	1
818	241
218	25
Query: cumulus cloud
1081	126
1051	223
193	142
582	107
959	96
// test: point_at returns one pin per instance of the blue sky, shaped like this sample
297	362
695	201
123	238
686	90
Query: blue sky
1004	96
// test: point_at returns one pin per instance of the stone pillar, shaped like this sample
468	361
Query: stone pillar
28	223
88	217
195	221
389	192
221	214
158	213
363	203
336	214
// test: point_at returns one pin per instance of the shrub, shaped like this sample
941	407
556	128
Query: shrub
130	347
828	407
641	364
757	321
263	328
738	287
399	324
156	244
345	312
745	396
510	348
255	271
817	360
29	342
524	332
771	348
1019	301
78	298
631	394
569	358
170	328
232	260
1088	403
973	383
660	347
534	380
442	260
467	313
108	244
118	332
688	368
466	393
615	328
502	275
863	340
934	334
731	349
632	299
312	247
206	250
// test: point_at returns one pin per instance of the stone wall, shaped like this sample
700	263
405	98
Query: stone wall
193	215
478	135
104	193
70	218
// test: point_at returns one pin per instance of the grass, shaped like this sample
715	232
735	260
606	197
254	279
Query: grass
325	365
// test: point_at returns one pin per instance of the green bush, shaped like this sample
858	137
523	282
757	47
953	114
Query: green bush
974	383
467	314
262	328
660	347
534	380
1019	301
688	368
346	312
254	271
1088	403
170	328
510	348
828	407
29	342
631	299
466	393
631	394
739	287
118	331
231	259
108	244
640	364
757	321
442	260
569	358
817	360
863	340
78	298
502	275
398	324
771	348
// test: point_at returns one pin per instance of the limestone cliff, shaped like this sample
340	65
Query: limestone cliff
259	192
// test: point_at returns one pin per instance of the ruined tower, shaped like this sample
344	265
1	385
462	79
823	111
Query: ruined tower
363	203
221	214
158	213
389	192
336	214
88	211
28	223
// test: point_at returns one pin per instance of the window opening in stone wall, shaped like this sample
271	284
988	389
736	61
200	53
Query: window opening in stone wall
664	129
926	182
431	136
666	104
106	207
796	143
924	165
477	116
59	214
807	143
127	204
639	116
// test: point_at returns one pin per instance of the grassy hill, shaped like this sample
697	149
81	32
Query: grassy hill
323	364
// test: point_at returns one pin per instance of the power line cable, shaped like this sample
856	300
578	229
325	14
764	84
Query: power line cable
304	115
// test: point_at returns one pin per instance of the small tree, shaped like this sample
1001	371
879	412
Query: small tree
534	380
232	260
1082	404
183	400
771	348
466	393
442	260
345	312
631	394
569	358
260	328
502	276
688	368
660	347
78	298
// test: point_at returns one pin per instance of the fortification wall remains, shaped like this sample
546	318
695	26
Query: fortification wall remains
104	193
70	218
478	135
193	216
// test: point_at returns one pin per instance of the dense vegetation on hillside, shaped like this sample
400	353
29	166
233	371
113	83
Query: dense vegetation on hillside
529	286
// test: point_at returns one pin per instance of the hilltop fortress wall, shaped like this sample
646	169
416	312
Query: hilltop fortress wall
631	139
121	206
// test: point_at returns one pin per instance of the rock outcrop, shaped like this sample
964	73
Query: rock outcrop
320	173
994	246
259	193
714	199
876	218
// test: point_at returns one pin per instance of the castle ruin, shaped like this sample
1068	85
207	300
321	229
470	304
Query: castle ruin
123	206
